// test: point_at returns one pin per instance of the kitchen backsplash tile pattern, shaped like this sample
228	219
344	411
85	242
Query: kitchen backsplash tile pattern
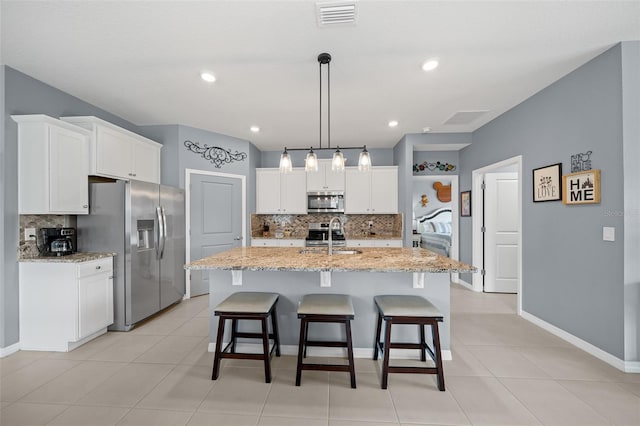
355	225
29	249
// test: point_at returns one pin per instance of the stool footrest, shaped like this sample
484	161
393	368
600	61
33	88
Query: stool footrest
242	355
326	367
332	344
247	335
419	370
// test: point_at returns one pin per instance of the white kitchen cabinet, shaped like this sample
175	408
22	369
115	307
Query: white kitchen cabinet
118	153
371	192
283	242
325	179
374	243
53	166
64	304
281	193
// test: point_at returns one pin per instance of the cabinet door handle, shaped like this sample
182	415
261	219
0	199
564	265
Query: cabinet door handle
84	206
98	267
135	174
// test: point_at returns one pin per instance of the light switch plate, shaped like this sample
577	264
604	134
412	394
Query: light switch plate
29	234
608	233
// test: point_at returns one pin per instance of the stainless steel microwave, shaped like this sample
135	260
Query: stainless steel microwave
325	202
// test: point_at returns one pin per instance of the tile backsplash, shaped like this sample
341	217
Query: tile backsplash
29	248
355	225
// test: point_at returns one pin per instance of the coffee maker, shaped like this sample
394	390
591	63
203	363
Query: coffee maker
57	241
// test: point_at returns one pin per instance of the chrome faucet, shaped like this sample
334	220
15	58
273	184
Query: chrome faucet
331	232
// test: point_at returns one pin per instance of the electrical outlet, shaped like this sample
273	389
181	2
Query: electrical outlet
370	223
29	234
608	233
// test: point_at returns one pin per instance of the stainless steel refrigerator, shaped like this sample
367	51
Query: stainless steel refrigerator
143	224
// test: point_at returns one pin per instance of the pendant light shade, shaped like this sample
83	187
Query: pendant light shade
337	164
364	161
311	162
286	165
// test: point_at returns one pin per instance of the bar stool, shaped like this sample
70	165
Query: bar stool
325	308
408	310
247	306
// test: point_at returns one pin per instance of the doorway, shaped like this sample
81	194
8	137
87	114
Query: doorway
497	227
215	220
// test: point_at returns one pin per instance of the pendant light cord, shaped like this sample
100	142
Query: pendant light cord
320	106
329	104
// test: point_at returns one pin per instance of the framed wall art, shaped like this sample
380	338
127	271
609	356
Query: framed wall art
581	188
547	183
465	203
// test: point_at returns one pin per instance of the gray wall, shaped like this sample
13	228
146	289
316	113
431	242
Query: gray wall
570	277
176	157
424	185
26	95
403	157
631	213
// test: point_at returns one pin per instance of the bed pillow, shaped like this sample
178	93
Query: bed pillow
426	226
442	227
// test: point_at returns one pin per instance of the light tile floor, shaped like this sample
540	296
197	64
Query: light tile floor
505	371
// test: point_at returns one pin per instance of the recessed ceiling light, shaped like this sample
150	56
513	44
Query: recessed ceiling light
430	64
254	129
426	129
208	77
393	123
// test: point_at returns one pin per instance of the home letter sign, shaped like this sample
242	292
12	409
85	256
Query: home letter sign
581	187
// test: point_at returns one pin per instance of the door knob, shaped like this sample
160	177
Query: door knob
237	238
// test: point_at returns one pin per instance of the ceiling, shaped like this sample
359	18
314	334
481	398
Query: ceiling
142	61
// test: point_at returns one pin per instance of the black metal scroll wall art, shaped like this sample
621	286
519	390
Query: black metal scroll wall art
437	166
214	154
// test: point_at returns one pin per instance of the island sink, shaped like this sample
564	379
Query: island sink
325	251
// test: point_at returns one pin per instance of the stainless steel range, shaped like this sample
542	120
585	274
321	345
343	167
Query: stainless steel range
319	235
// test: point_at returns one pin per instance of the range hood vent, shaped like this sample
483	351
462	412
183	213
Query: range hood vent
331	13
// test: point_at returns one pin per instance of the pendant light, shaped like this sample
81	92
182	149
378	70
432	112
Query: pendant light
338	160
286	165
337	163
364	161
311	162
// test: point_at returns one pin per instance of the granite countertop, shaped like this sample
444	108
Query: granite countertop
72	258
291	259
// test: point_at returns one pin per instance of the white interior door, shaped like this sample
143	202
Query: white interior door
501	233
216	220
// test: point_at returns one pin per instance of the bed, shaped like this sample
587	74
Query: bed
435	231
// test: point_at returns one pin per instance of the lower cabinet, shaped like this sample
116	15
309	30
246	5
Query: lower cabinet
271	242
63	305
374	243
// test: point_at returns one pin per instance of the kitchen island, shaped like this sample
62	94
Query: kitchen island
294	272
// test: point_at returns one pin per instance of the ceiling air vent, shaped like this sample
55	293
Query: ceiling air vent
465	117
331	13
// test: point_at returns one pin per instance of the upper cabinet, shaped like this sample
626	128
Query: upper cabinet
118	153
371	192
325	179
52	166
281	193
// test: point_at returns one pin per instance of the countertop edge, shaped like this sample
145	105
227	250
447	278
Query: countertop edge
72	258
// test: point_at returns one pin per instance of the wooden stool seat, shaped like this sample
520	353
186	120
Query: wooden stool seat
404	309
325	308
247	306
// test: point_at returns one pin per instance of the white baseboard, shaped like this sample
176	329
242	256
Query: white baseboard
9	350
626	366
332	352
465	284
